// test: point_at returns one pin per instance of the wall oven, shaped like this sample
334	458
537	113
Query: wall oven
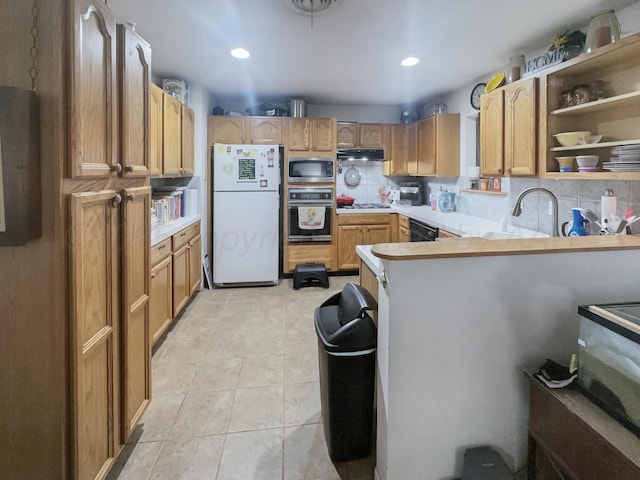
310	169
310	214
421	232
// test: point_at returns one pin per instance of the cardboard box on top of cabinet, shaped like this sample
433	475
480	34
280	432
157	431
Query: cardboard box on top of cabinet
178	89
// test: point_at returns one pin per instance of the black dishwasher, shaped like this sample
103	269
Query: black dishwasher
421	232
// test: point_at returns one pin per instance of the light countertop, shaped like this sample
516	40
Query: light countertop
480	247
373	262
456	223
159	233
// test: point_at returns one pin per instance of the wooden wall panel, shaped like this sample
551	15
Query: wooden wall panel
32	280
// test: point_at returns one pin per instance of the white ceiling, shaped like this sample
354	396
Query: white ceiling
352	54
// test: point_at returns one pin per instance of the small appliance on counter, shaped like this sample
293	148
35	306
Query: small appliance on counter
412	192
609	359
446	202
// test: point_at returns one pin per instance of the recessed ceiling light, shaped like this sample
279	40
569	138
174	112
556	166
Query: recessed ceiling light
240	53
410	61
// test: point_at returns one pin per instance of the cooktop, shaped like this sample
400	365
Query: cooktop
366	205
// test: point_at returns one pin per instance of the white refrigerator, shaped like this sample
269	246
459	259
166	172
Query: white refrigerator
246	209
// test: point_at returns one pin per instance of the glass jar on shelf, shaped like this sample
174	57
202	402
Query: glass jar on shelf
603	30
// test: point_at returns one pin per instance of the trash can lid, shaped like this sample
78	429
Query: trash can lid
342	322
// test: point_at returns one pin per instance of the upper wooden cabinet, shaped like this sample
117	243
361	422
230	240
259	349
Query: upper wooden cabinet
155	130
92	90
172	136
438	140
239	130
134	96
266	130
520	127
361	135
304	134
508	130
187	129
228	129
492	133
401	149
347	134
372	135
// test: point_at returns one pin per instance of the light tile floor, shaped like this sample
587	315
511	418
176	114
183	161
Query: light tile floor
236	393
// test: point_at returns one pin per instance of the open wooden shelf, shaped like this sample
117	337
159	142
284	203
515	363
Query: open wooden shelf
485	192
625	100
593	175
591	146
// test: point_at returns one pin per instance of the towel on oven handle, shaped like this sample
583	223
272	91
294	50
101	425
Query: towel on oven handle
311	218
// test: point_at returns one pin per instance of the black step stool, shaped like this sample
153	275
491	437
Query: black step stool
309	272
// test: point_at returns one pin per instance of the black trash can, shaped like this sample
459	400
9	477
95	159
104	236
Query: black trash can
347	356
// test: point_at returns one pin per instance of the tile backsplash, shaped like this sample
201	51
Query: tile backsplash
372	181
535	209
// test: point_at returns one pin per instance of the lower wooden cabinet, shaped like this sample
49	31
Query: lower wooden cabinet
160	306
110	350
363	229
176	274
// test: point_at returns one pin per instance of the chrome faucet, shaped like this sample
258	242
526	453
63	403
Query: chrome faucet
517	206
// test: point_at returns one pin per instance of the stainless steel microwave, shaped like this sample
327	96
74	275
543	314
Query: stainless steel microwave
311	169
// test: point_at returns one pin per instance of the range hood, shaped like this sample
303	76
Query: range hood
346	154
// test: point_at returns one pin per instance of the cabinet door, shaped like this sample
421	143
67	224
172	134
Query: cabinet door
94	331
372	135
298	134
134	82
136	345
412	149
160	313
348	237
267	130
92	90
427	146
228	129
323	134
398	154
172	136
404	235
181	287
155	131
346	134
195	265
187	140
377	234
492	133
520	127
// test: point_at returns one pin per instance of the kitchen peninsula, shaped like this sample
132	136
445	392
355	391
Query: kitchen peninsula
459	320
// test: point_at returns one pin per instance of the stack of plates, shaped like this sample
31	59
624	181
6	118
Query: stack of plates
626	159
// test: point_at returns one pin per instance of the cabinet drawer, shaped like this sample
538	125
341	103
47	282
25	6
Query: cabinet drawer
403	221
160	251
183	236
365	219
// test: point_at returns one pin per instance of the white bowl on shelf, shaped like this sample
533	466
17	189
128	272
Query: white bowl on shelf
572	139
587	160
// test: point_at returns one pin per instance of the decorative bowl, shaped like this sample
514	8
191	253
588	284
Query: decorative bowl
571	139
587	160
498	80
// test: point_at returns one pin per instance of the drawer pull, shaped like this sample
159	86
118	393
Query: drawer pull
116	168
161	247
129	168
131	197
153	275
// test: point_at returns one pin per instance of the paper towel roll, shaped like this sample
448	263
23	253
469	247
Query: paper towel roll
608	206
473	172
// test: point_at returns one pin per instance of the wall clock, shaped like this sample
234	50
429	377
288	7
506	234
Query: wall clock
475	95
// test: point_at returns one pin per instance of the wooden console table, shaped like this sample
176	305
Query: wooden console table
578	438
